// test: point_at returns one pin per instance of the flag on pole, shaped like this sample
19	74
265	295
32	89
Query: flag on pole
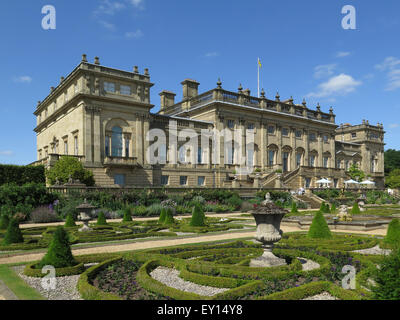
259	63
258	76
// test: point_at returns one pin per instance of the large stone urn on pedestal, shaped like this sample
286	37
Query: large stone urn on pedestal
268	218
85	215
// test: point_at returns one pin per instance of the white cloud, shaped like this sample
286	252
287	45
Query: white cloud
394	125
111	7
22	79
323	71
137	3
337	85
211	54
107	25
342	54
391	65
134	34
6	153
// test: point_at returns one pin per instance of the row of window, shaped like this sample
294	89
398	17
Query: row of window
110	87
183	180
55	149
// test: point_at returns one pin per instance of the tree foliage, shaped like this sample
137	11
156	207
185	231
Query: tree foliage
13	233
198	216
319	229
355	173
67	167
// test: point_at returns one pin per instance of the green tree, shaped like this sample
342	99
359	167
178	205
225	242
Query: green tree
393	180
127	215
393	233
333	208
169	217
163	215
392	160
67	167
101	219
355	209
387	278
319	229
59	254
294	208
70	222
355	173
13	233
4	221
198	216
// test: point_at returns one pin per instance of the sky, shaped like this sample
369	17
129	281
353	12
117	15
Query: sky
304	50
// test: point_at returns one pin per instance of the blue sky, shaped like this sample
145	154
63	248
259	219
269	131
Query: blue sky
304	50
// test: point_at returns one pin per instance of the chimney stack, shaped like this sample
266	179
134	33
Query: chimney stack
84	58
97	60
167	99
190	88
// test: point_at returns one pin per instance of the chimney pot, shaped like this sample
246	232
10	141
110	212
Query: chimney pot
84	58
97	60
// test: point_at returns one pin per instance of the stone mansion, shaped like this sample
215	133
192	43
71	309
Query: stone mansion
102	116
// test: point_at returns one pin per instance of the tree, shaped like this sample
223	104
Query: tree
101	219
67	167
393	180
4	221
59	254
333	208
197	216
70	222
355	209
393	233
319	229
392	160
13	233
355	173
294	208
163	215
169	217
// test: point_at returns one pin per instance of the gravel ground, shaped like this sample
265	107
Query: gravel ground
65	289
374	250
170	277
308	264
322	296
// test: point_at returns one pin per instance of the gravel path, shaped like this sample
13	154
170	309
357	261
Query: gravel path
170	277
308	264
65	288
375	250
322	296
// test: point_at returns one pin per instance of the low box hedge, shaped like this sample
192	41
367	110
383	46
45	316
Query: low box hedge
31	271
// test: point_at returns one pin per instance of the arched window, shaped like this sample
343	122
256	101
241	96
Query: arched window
116	142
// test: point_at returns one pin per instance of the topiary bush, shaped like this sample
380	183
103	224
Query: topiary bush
198	217
169	217
319	229
163	215
387	278
333	208
294	208
13	233
393	233
127	215
4	221
101	219
324	208
70	222
59	254
355	209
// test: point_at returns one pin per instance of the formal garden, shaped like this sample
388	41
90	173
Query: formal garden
36	222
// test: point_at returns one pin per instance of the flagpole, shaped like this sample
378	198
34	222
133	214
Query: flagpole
258	77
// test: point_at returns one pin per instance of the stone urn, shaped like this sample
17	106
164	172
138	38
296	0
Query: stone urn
85	215
268	218
343	214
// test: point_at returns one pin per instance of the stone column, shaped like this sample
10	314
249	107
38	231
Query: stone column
87	135
280	146
307	148
293	154
146	144
97	143
333	151
139	139
320	150
263	146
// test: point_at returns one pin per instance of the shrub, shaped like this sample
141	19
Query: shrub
154	209
4	221
355	209
21	175
13	234
44	214
70	222
319	228
140	211
387	278
333	208
294	208
127	215
163	215
198	217
101	219
393	232
324	208
67	167
59	254
169	218
234	201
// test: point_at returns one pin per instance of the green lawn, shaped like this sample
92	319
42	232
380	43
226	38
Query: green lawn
17	285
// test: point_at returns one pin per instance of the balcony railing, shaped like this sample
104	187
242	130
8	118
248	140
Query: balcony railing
120	161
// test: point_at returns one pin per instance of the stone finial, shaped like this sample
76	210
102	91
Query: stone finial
363	122
97	60
291	100
304	103
84	58
367	122
331	110
146	72
52	89
62	79
240	89
219	83
39	102
247	92
277	97
262	93
136	69
318	107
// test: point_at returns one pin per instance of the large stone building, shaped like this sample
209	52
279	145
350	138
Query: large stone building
103	116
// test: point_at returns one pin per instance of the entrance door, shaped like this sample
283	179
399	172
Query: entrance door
285	161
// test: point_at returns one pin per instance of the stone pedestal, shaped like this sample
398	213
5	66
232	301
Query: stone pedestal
268	259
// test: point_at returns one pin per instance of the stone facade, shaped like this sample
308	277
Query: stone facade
103	115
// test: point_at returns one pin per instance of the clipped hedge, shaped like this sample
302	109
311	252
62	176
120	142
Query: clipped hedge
31	271
21	175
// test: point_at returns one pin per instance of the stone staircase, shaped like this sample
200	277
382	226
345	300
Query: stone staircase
312	201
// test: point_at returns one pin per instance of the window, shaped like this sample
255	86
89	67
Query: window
182	155
231	124
66	147
308	182
125	90
109	86
127	141
271	157
183	180
201	181
250	158
298	134
325	138
354	135
76	147
298	159
312	160
116	142
285	132
335	183
271	129
312	137
338	164
326	159
164	180
199	155
119	179
250	126
107	145
346	165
